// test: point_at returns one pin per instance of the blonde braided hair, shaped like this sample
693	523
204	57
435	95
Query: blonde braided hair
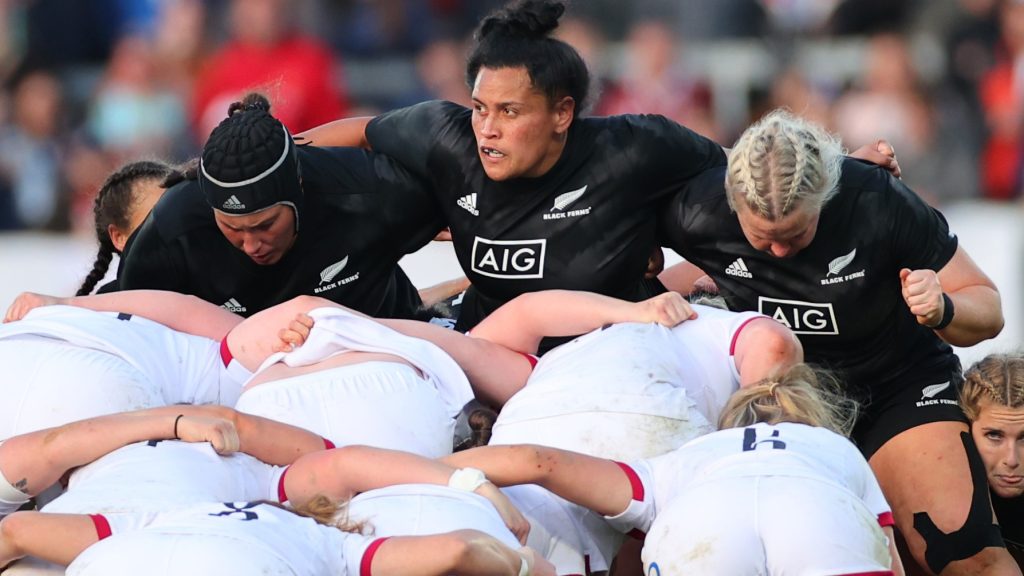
783	163
998	378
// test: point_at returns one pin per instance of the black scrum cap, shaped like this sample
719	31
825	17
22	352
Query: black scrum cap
249	164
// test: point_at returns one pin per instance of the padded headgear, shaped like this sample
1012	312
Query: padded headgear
249	164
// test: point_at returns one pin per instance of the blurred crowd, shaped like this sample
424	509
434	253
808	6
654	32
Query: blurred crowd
90	84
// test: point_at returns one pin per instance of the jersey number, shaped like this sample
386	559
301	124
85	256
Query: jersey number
245	511
750	441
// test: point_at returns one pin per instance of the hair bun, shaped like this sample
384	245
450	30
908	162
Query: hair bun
530	18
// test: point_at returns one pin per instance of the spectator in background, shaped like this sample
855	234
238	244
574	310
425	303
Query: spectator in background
31	154
440	67
266	51
133	112
652	83
1002	98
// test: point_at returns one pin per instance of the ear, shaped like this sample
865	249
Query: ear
564	111
117	237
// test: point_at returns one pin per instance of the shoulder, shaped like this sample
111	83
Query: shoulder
180	211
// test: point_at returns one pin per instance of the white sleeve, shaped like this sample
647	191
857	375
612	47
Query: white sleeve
636	519
869	490
357	553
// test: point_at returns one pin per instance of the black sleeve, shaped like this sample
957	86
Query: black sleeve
921	238
147	262
689	209
672	152
409	134
379	188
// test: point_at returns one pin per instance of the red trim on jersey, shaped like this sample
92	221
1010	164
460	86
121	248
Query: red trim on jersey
225	353
102	526
364	565
634	481
531	359
282	496
328	445
637	534
736	334
886	519
586	564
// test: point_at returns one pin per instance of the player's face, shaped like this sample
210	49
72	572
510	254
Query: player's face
265	236
519	133
781	238
999	435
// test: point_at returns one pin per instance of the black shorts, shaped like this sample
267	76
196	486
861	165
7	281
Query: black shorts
921	398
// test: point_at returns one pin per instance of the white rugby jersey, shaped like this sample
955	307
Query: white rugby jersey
780	450
306	547
638	368
182	367
163	475
336	331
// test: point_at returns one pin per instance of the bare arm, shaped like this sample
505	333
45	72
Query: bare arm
443	290
344	472
33	462
462	553
894	552
344	132
594	483
523	322
681	277
494	371
765	348
57	538
978	312
177	311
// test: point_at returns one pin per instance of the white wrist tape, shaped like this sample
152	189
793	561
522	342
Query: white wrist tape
468	479
524	565
11	495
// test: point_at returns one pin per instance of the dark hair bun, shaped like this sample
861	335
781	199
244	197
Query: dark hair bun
530	18
251	101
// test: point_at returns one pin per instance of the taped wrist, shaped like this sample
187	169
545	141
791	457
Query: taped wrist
468	479
524	565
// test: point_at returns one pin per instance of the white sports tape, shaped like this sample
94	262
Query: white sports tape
9	494
468	479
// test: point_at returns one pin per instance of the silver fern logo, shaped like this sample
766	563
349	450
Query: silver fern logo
931	391
333	270
836	266
563	200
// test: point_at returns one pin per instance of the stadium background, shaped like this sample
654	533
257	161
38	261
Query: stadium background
89	84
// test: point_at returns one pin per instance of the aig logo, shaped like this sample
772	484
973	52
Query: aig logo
800	317
521	259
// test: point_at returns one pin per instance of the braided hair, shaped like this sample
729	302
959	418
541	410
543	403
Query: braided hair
113	205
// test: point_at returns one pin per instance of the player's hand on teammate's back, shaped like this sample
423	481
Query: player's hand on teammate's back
668	309
923	294
295	334
27	301
218	432
881	153
513	518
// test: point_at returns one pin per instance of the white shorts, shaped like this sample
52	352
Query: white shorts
158	554
771	525
47	383
381	404
554	532
30	566
422	509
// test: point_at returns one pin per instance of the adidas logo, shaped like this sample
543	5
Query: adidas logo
232	305
233	203
468	202
738	268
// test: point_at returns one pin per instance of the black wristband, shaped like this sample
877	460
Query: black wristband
947	312
180	416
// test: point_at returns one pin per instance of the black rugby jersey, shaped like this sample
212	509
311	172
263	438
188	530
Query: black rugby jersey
362	212
841	294
1010	514
588	224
